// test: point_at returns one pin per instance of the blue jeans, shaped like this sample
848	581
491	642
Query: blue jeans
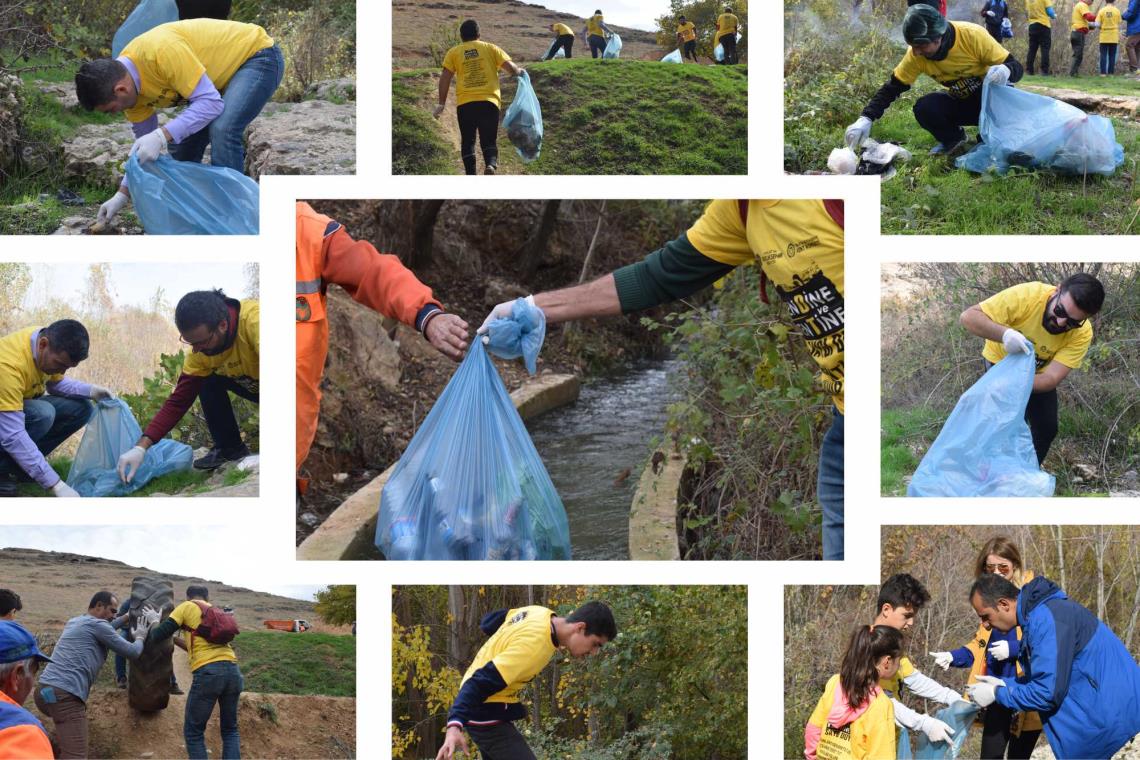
829	489
1107	57
49	420
247	92
219	682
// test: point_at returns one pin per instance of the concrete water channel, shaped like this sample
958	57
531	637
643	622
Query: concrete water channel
594	441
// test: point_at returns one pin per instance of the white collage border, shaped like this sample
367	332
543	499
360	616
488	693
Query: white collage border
268	521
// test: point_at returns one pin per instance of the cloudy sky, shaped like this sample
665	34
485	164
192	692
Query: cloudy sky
167	549
135	284
639	14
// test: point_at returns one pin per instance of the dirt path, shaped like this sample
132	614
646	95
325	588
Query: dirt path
449	130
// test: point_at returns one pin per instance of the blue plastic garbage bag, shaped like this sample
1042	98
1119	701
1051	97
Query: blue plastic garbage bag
613	47
985	448
146	16
521	335
523	121
112	432
718	51
959	716
674	57
904	752
470	485
186	198
1023	129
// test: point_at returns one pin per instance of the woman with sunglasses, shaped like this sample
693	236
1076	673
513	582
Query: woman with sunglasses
994	653
1050	320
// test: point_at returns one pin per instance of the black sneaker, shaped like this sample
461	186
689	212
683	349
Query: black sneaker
216	457
122	683
490	169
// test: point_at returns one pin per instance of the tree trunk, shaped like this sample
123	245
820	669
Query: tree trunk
532	251
424	215
457	609
1059	540
1100	546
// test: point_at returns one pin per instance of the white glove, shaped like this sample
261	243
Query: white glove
997	76
130	462
63	489
149	146
857	132
111	208
1015	342
942	659
991	14
99	393
502	311
999	650
438	111
146	619
983	692
936	730
1094	25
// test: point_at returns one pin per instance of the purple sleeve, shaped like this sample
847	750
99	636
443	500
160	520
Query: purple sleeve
205	106
15	441
65	386
145	127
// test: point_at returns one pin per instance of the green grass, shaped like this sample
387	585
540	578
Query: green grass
1113	85
417	147
612	117
906	434
189	481
297	663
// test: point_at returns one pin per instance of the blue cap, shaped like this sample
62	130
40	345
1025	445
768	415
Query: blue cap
16	643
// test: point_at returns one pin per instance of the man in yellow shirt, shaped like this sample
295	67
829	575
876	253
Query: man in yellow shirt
521	643
1108	19
1053	322
958	55
564	41
727	25
225	70
217	677
225	354
798	245
1079	26
687	38
1040	15
596	33
475	65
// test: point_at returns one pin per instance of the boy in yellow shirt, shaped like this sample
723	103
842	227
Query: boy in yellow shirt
1040	15
474	65
225	70
1053	322
564	40
1108	19
687	38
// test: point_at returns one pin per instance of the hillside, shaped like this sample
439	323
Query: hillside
612	117
522	29
56	586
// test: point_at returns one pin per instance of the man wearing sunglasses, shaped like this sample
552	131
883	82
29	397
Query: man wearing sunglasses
223	335
1050	320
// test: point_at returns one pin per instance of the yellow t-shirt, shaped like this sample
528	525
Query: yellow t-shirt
476	68
870	736
242	360
1035	12
893	685
520	650
202	652
594	25
171	58
799	246
20	379
726	24
562	29
687	31
1109	19
1022	307
970	57
1079	21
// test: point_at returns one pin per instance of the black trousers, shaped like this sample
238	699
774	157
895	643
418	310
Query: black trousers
1077	42
188	9
564	41
220	419
943	115
994	30
1040	38
597	45
690	51
501	741
997	734
1041	415
729	43
479	118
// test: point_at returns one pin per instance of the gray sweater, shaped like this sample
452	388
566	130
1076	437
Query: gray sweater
80	653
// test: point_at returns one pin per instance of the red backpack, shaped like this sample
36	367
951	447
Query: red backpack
216	627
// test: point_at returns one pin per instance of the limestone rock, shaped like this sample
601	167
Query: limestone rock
363	352
10	111
332	89
64	92
96	152
313	137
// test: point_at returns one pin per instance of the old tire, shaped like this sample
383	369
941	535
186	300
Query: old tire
148	677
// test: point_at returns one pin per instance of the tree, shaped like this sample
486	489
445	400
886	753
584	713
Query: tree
424	216
336	605
530	254
703	14
252	280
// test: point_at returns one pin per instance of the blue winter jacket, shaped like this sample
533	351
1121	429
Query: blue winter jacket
1132	16
1077	674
